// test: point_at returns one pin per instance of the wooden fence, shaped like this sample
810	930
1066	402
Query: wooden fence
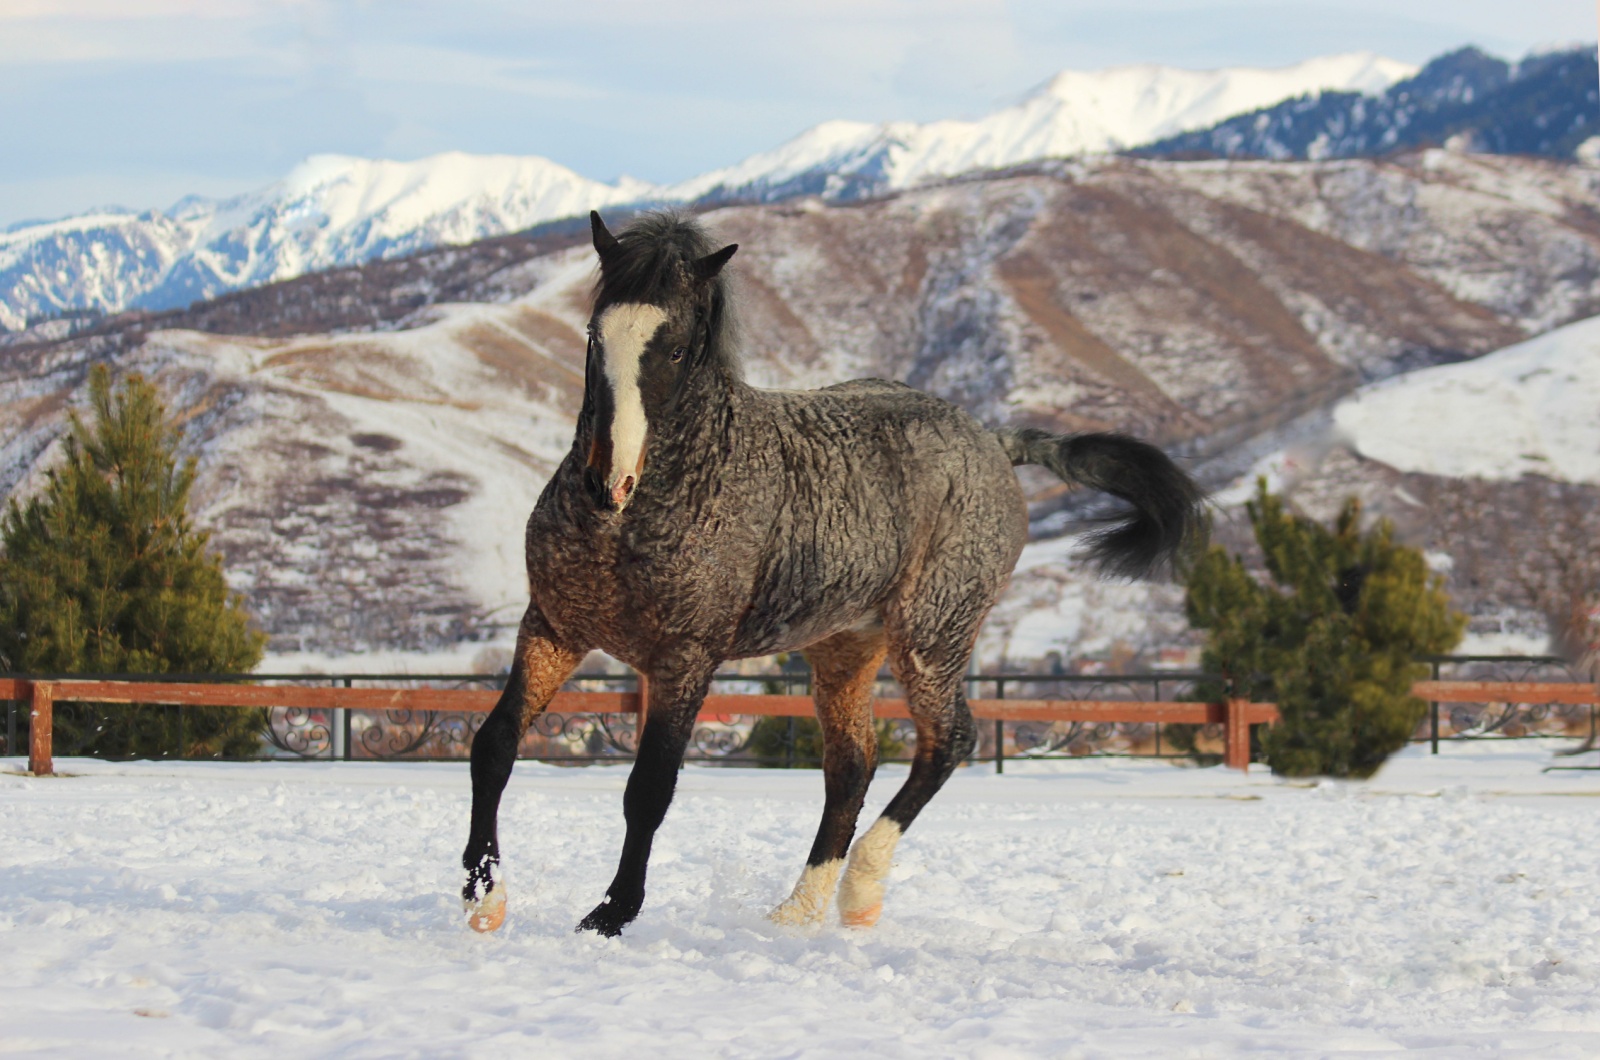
1235	715
39	697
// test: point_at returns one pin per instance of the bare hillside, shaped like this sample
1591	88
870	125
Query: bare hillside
371	439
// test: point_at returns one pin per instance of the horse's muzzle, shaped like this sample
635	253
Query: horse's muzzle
609	496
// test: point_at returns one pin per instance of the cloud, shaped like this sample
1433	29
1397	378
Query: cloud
95	11
242	89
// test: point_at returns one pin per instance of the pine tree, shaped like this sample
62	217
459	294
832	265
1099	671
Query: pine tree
771	736
1334	639
103	572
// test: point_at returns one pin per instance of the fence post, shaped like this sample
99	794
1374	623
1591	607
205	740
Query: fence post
1157	692
11	725
1236	735
1433	736
341	728
41	728
1593	704
999	729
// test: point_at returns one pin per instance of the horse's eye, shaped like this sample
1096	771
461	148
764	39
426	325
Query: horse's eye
677	354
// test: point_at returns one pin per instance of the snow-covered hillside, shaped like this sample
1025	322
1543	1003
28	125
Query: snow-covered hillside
334	210
1529	409
1074	113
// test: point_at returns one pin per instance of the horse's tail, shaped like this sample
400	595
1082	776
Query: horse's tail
1167	520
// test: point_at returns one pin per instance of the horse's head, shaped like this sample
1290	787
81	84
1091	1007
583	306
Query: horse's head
655	320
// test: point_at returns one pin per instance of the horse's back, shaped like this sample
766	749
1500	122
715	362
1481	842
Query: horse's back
867	386
879	420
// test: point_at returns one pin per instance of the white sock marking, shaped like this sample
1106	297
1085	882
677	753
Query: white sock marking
809	900
861	890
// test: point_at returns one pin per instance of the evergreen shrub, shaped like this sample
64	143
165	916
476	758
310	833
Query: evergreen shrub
1333	636
103	572
769	742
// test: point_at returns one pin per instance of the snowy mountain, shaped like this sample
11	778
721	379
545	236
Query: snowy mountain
334	210
330	210
1547	104
1075	113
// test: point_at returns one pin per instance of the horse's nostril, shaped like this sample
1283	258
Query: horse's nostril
621	490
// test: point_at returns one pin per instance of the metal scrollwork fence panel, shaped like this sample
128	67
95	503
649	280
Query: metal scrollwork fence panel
298	732
1504	719
1024	739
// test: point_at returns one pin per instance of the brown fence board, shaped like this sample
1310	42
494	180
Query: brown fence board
477	701
1505	692
1237	715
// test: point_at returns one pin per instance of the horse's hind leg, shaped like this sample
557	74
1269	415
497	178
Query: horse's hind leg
945	736
844	667
538	670
675	699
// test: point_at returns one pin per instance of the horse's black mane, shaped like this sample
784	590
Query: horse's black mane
651	264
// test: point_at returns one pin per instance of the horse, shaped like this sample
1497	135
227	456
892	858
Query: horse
699	519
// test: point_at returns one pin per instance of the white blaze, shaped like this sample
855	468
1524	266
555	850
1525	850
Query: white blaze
625	331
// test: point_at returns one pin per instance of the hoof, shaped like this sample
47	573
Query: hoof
861	918
792	914
608	919
488	912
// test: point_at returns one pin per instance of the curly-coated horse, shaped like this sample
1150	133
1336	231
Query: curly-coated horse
699	519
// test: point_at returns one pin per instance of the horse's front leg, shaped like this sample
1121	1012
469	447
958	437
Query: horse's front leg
537	672
674	706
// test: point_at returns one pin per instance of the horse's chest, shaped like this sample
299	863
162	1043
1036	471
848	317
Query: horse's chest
624	592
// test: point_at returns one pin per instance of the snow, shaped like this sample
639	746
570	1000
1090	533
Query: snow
1084	908
1525	409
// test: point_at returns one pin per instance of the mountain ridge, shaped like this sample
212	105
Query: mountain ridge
1547	104
334	210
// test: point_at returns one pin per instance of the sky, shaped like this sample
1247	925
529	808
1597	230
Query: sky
139	102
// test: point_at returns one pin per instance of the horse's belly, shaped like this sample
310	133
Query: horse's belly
790	611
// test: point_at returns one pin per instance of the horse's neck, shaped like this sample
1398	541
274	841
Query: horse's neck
696	442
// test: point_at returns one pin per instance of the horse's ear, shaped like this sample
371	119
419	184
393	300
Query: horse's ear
604	242
707	267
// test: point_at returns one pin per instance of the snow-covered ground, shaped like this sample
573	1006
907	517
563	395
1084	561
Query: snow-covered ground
1089	908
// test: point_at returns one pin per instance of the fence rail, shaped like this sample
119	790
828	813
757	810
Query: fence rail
321	721
40	696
